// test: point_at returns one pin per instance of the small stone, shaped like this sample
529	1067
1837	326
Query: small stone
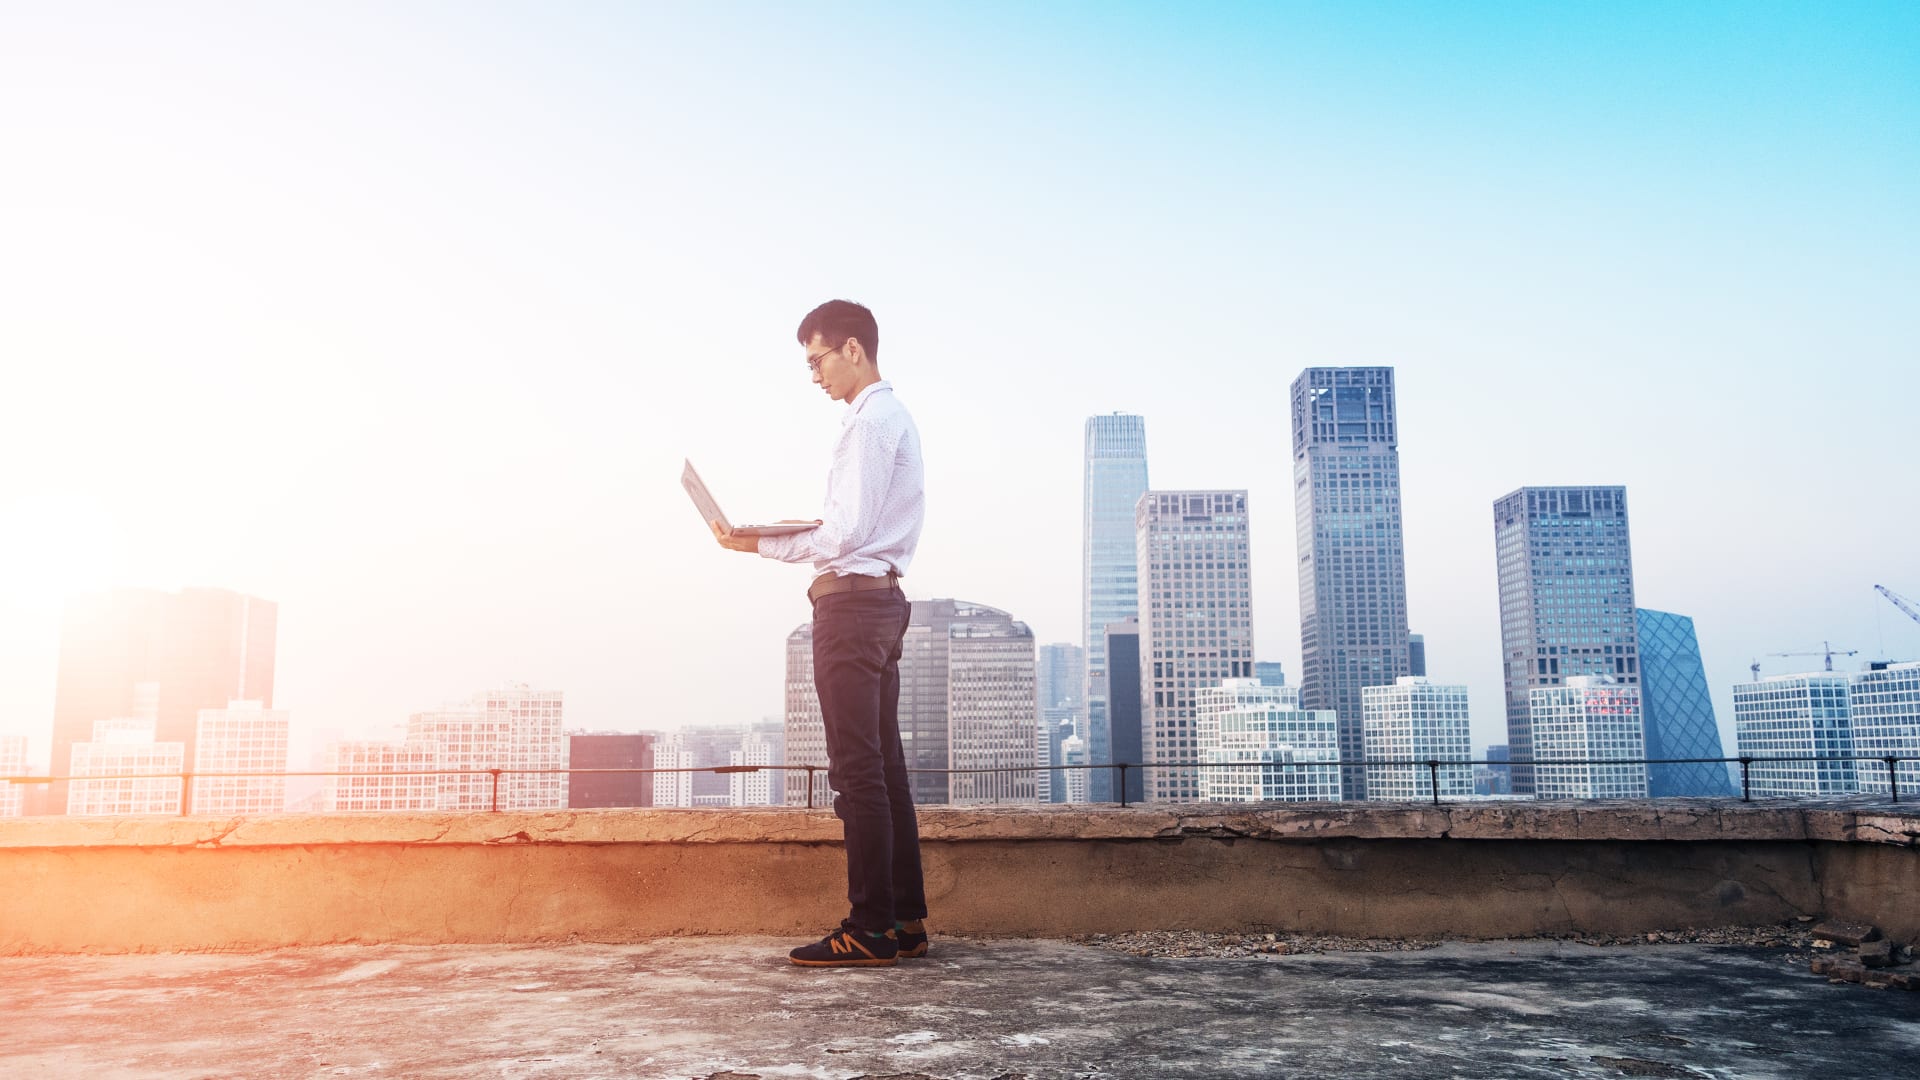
1822	943
1822	965
1903	955
1846	969
1902	980
1846	933
1877	954
1878	978
1803	918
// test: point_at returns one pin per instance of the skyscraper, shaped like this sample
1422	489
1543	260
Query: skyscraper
202	648
1417	654
1809	717
1566	598
132	770
1291	754
1580	728
1353	566
1196	621
1116	477
515	729
1679	712
1416	721
1270	672
382	775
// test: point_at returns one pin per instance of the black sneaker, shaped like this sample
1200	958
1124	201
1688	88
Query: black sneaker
848	947
912	936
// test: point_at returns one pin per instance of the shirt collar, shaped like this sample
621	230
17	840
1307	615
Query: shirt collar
860	398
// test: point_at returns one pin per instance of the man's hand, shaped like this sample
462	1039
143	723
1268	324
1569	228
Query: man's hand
731	542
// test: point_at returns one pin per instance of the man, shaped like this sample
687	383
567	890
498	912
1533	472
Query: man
862	544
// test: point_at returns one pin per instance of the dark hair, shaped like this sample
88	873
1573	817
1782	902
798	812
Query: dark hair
836	321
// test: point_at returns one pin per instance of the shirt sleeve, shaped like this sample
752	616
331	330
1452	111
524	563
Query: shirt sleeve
862	472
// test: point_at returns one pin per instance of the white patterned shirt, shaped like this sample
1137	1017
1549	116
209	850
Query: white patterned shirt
876	494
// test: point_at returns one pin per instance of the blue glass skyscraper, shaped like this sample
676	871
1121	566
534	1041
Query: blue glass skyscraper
1116	477
1678	711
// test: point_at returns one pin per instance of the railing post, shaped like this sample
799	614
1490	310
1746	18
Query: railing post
1433	775
186	792
810	787
1746	780
496	789
1122	767
1893	776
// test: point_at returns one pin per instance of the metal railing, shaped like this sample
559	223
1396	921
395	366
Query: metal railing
1119	770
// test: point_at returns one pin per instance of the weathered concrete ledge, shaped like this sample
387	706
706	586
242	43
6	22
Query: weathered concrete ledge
1674	820
1384	870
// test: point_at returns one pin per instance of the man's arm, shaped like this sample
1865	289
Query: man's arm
732	542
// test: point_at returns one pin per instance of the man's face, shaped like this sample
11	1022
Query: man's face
833	372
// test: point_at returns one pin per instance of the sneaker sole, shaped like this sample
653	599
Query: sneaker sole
882	962
914	953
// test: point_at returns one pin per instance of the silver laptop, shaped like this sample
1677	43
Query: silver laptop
710	510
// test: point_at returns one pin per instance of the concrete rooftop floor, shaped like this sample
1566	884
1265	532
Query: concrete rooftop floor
733	1007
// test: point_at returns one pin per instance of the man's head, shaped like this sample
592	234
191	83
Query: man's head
842	342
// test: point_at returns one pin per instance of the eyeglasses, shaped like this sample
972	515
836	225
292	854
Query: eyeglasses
813	362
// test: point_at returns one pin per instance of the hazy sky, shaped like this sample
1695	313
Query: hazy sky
404	316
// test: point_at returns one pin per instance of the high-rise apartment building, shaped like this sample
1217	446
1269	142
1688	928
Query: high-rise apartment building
1588	739
382	775
1415	721
1417	655
515	729
1353	566
1270	672
588	752
1290	754
752	788
1196	622
1566	599
201	647
1679	712
1123	710
1885	701
673	786
13	762
1806	717
244	737
1116	477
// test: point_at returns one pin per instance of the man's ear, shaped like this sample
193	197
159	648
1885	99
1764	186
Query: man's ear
852	344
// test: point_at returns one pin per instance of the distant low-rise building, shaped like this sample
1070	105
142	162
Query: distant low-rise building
1799	731
1289	753
244	737
1588	740
1885	703
1414	720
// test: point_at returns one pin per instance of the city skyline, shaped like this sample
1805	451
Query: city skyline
431	399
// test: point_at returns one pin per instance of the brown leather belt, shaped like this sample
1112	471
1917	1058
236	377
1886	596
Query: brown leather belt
828	584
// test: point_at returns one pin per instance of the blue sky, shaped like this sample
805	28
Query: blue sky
405	317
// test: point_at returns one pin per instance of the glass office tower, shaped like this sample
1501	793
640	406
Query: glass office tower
1353	566
1116	477
1677	710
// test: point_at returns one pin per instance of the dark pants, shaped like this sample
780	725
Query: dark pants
856	669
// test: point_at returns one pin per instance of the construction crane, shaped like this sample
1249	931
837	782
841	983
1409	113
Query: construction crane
1905	605
1827	650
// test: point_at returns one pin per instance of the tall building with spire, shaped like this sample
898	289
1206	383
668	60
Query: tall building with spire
1115	478
1353	566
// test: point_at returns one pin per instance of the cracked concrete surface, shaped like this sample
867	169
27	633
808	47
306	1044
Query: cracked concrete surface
975	1010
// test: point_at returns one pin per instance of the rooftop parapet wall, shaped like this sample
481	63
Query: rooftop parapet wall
1473	870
